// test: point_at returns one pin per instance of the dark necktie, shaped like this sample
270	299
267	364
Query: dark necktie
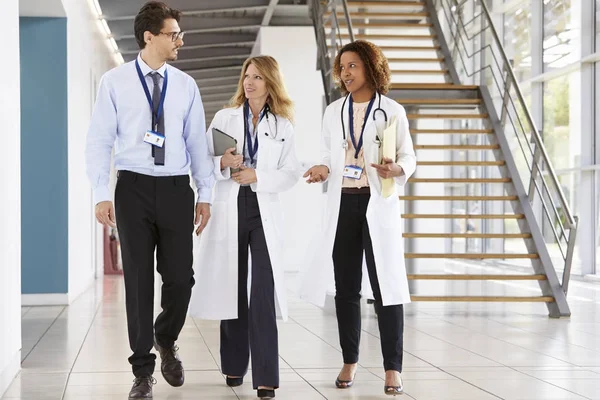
158	152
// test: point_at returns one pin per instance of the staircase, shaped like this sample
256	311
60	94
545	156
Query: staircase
484	188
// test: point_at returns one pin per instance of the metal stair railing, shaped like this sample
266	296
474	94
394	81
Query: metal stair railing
325	12
477	53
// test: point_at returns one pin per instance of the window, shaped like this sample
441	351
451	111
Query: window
517	40
561	35
561	130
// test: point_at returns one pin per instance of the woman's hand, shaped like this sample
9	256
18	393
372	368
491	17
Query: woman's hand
245	176
230	160
389	169
318	173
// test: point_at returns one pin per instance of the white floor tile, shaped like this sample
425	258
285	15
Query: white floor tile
451	352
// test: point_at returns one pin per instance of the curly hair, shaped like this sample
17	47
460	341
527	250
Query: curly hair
377	70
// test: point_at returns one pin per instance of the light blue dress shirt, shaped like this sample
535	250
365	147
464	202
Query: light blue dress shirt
247	162
122	116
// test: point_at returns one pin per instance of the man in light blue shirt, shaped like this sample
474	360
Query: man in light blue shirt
152	114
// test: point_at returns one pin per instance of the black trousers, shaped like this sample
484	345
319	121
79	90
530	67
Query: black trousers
352	238
254	332
154	213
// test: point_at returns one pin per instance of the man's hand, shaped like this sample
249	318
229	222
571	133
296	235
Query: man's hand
318	173
105	214
388	169
245	176
202	216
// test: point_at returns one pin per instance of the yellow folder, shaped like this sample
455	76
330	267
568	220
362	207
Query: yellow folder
389	151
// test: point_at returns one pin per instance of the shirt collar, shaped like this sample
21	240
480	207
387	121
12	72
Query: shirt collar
146	69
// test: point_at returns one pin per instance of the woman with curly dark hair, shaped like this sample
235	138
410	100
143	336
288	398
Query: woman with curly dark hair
361	217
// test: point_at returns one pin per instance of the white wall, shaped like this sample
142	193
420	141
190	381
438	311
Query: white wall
10	201
304	84
88	59
37	8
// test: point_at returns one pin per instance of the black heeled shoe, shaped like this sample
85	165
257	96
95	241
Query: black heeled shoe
340	384
265	393
234	382
393	390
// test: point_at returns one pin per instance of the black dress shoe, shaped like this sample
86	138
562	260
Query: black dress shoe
142	388
235	382
265	393
170	366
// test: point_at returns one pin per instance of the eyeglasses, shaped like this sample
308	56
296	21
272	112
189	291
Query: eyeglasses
175	36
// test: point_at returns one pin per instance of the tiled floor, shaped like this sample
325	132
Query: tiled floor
452	351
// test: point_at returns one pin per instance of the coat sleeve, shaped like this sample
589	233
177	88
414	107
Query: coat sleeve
405	153
287	173
326	139
220	175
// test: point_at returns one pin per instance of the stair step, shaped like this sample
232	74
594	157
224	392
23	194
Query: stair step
460	180
378	36
456	146
380	25
389	15
447	116
467	277
416	60
365	4
459	198
476	256
462	163
463	216
434	86
419	72
439	101
466	235
448	131
487	299
407	48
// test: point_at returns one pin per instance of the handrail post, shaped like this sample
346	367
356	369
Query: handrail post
569	257
505	97
348	20
534	173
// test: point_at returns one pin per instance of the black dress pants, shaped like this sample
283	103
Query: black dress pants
352	238
254	332
154	213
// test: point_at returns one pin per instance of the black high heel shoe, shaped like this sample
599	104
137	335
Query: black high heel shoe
265	393
234	382
394	390
340	384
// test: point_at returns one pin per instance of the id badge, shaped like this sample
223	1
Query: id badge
154	138
352	172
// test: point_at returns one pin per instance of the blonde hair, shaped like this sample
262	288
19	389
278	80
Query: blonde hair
278	99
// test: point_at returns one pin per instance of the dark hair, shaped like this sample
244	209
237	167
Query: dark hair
377	70
151	18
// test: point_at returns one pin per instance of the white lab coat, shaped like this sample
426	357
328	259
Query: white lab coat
215	295
383	214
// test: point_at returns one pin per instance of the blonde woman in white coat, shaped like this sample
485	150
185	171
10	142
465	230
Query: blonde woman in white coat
246	214
357	217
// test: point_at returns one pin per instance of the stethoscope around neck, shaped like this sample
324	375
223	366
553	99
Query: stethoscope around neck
265	113
247	137
377	139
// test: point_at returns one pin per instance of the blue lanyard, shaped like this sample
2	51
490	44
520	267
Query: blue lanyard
252	149
358	146
163	94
